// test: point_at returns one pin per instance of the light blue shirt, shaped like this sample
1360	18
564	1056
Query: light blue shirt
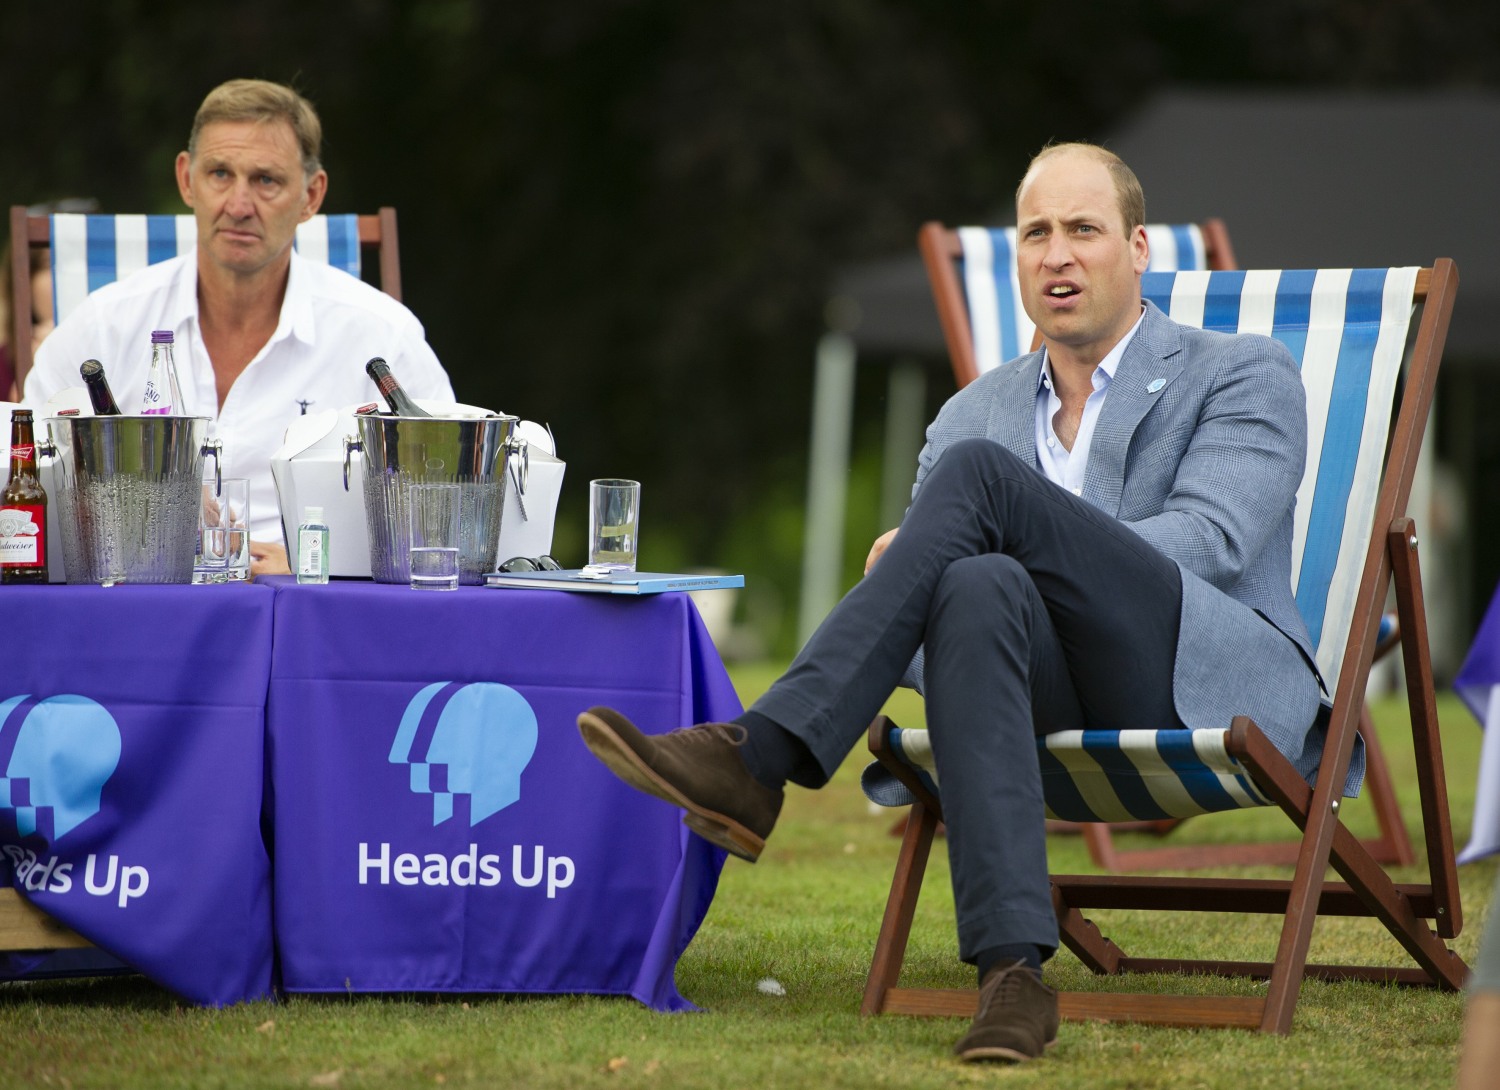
1061	465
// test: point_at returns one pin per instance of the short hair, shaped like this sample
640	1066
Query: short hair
261	100
1128	192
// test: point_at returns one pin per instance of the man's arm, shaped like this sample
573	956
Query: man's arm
1238	476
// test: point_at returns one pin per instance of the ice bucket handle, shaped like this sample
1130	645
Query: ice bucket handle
518	449
214	449
351	444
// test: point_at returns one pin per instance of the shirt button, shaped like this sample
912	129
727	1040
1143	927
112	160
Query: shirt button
1077	491
1051	442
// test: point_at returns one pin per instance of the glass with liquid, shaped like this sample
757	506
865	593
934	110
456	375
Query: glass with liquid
433	513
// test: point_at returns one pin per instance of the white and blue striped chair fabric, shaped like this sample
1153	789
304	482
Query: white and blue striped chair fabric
997	321
1347	329
89	251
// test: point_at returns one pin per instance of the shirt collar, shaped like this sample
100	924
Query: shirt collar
1107	365
296	320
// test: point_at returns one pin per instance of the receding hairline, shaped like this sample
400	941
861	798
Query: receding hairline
1129	196
263	102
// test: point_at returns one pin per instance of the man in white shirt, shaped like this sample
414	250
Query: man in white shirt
261	334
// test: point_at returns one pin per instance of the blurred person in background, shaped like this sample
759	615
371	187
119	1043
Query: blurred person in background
1479	1056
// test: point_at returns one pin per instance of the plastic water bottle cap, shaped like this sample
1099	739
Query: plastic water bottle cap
313	514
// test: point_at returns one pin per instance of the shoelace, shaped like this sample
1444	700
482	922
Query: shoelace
1004	986
732	733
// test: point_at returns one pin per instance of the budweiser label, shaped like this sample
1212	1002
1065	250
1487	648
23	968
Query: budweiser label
22	451
23	528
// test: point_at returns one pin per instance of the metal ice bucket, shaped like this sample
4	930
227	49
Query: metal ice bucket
130	492
401	451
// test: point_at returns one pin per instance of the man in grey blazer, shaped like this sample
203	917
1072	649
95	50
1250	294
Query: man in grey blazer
1099	537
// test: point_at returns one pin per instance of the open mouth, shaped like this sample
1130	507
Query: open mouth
1061	291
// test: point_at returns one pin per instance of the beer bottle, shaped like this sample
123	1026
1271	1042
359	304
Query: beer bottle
400	402
163	396
23	509
98	387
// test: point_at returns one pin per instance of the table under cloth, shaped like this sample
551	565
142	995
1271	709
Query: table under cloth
132	739
384	786
439	824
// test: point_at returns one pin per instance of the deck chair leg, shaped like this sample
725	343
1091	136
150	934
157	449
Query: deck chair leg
900	907
1401	545
1101	845
1394	845
1081	935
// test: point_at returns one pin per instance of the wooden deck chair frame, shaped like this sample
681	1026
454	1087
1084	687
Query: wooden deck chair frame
941	252
377	233
1420	916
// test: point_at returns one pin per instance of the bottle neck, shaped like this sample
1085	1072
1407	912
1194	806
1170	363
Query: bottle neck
22	450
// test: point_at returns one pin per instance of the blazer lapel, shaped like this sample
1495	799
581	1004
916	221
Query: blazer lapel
1150	364
1012	421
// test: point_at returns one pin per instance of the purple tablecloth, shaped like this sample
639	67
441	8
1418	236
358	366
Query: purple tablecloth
439	825
132	727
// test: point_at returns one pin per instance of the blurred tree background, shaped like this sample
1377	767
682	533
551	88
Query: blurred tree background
622	217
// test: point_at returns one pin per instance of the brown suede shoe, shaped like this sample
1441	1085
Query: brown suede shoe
697	768
1016	1020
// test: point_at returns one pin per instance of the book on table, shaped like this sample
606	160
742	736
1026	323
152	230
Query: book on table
615	582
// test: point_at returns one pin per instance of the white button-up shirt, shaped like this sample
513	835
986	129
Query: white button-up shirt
331	325
1061	465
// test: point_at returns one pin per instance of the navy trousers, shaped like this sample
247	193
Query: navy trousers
1037	613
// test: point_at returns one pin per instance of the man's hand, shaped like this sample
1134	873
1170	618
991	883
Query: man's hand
881	544
267	558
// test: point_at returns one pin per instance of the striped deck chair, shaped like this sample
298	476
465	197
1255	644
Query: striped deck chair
1352	540
975	286
973	276
89	251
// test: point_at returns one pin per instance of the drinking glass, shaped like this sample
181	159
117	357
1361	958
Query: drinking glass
433	512
614	520
223	532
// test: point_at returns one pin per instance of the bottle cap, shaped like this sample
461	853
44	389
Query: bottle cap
312	514
161	336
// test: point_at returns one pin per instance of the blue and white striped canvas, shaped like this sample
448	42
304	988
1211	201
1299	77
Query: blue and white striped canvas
1347	329
997	321
89	251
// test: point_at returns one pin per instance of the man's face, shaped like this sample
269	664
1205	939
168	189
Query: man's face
248	192
1079	267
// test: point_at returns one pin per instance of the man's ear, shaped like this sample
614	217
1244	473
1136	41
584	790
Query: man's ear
185	177
1142	249
317	189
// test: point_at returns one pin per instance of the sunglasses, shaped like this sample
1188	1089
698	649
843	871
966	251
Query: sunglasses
530	563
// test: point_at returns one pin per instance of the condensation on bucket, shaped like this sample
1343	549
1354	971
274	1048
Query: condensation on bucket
131	530
130	492
481	503
400	452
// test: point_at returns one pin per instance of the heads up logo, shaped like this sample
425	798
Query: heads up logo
57	754
478	744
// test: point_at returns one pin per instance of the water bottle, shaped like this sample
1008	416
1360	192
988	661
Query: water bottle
163	396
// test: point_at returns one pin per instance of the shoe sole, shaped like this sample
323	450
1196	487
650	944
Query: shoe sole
625	763
999	1052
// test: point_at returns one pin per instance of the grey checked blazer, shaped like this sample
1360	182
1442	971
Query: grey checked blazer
1205	467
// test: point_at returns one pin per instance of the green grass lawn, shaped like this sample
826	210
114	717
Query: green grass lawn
805	917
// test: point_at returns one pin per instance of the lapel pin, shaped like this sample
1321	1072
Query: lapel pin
1155	384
